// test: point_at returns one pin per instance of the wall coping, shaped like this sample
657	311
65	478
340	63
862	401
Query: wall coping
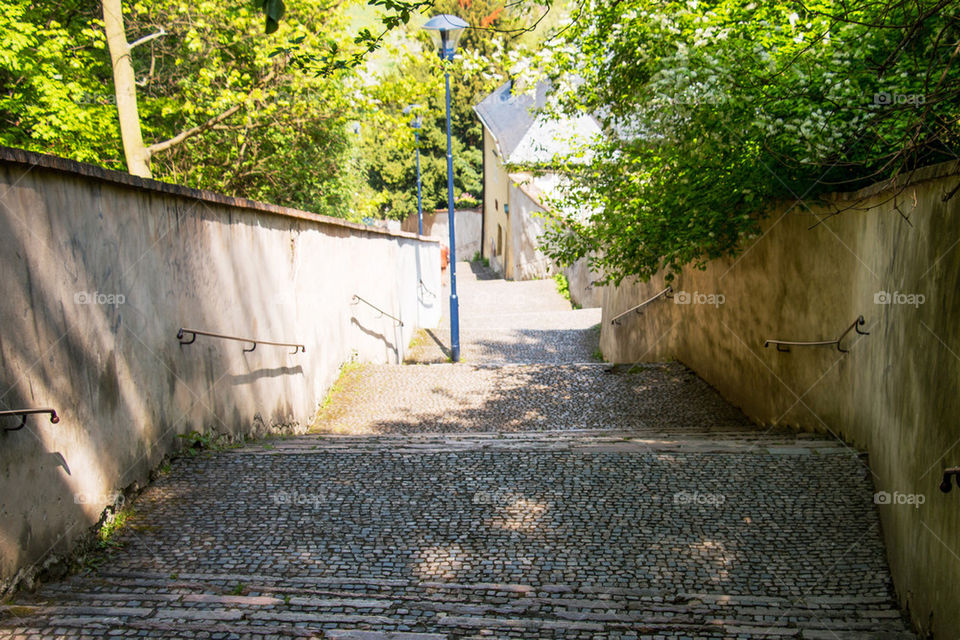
923	174
56	164
443	212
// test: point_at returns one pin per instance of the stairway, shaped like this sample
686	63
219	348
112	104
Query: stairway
212	605
525	494
556	534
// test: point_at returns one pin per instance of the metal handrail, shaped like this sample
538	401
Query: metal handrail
23	413
666	292
357	299
784	345
196	332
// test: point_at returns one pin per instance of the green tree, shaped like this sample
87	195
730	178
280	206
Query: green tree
484	50
53	68
717	109
229	115
201	87
485	53
387	142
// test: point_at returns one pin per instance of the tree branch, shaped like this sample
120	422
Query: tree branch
189	133
200	128
146	39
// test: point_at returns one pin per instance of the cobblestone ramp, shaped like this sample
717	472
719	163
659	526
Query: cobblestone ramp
497	500
509	398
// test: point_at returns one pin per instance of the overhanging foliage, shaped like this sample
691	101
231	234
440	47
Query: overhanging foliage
716	110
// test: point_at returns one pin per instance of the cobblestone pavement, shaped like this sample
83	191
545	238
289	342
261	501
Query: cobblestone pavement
497	501
468	397
516	322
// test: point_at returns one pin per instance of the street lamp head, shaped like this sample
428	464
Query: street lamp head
445	30
416	121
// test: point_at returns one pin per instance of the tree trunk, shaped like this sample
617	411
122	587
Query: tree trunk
125	88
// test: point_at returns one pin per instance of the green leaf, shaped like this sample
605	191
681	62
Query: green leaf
273	11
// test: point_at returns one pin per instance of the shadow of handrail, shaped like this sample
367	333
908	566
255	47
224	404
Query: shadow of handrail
23	413
784	345
196	332
424	289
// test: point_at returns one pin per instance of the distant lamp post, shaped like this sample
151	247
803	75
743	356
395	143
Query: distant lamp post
446	31
415	123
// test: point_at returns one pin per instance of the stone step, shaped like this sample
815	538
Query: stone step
589	595
718	441
146	580
59	627
457	620
167	605
306	624
200	602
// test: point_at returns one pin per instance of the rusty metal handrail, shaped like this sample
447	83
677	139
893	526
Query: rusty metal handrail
357	299
196	332
784	345
23	413
952	472
665	293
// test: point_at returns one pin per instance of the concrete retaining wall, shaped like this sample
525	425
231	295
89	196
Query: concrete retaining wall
580	279
894	394
526	227
529	263
100	269
469	222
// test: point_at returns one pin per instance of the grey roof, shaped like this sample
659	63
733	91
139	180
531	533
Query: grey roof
508	115
524	136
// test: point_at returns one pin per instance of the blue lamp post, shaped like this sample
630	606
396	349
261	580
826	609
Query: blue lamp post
415	123
446	31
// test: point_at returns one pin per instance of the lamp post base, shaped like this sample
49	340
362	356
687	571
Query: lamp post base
454	321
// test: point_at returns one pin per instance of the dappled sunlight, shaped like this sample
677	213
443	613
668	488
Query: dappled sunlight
522	514
714	553
440	562
353	431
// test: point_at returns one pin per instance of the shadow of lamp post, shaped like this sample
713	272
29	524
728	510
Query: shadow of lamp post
445	30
